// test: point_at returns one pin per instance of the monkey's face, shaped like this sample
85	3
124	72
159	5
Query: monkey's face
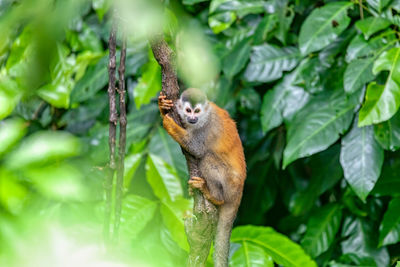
193	115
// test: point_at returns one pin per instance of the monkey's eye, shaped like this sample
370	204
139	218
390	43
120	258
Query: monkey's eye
188	110
197	110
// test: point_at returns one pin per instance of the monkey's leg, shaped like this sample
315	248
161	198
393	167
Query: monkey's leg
208	190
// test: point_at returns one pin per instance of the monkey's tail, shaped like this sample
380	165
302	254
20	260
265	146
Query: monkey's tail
227	214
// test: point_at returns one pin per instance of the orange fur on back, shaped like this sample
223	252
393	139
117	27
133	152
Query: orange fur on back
228	144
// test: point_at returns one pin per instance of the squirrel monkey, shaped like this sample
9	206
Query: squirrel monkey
210	135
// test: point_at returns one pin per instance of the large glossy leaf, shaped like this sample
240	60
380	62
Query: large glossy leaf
357	74
378	5
382	101
149	84
248	254
360	48
235	61
268	62
323	26
389	182
387	133
389	232
163	179
321	229
282	102
319	125
361	158
135	214
282	250
357	239
372	25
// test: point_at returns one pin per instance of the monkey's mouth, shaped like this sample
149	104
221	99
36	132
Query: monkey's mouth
192	120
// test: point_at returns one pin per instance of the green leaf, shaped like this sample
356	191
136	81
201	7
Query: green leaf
58	181
192	2
13	194
94	79
357	74
149	84
101	7
241	8
43	147
361	158
172	215
282	250
249	255
136	213
282	102
360	48
321	229
235	61
285	14
303	200
389	182
318	126
382	101
387	133
221	21
323	26
266	25
389	232
163	179
268	62
378	5
162	145
354	260
371	25
11	131
10	94
358	238
57	93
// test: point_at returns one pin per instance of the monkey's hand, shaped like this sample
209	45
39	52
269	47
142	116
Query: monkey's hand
164	104
200	184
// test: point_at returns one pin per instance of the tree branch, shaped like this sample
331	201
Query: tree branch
122	139
199	229
113	120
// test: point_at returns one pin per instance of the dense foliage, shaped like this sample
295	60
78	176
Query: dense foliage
313	85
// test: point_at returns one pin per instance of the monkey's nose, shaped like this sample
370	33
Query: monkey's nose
192	120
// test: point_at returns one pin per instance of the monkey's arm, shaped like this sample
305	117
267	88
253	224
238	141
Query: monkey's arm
182	136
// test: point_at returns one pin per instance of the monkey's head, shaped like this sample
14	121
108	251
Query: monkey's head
193	108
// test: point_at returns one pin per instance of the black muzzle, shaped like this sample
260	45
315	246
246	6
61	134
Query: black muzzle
192	120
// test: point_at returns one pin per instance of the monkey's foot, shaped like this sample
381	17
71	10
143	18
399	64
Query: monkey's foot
164	103
197	183
200	183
